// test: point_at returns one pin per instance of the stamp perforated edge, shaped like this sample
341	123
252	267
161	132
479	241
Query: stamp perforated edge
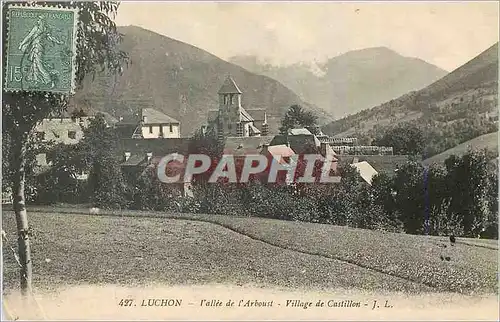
76	23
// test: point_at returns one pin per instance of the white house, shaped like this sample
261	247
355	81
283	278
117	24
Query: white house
155	124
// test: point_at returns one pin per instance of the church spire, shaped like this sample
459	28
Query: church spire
229	86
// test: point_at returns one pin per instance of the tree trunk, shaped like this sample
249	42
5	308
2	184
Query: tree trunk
23	241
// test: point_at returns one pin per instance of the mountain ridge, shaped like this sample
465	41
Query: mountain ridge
352	81
456	108
182	80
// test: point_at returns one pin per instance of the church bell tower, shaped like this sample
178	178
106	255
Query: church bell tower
229	108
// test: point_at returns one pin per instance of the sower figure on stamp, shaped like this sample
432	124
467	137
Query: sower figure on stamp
33	45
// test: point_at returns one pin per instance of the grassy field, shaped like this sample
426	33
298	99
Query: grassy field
487	141
135	248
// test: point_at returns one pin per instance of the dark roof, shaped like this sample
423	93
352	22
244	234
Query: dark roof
159	147
125	130
129	119
134	160
110	119
381	163
258	114
72	109
229	87
246	145
299	143
156	117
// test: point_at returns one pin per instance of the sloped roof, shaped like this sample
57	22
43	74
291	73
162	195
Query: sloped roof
134	160
279	152
299	143
381	163
303	131
245	145
366	171
156	117
254	130
229	87
330	154
129	119
245	117
258	114
159	147
110	119
125	130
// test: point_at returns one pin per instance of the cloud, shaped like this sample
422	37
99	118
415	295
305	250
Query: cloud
446	34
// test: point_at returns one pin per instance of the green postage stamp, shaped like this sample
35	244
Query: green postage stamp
41	49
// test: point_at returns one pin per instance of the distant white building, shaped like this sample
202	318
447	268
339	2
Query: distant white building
155	124
66	128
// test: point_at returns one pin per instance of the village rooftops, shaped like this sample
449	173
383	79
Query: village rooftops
240	146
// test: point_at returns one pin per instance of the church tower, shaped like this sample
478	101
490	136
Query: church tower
230	109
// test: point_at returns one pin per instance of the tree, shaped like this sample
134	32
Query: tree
469	183
106	183
206	143
440	221
298	117
35	146
384	196
97	50
405	139
60	183
409	186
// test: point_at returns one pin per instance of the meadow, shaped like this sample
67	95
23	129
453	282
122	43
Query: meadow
72	247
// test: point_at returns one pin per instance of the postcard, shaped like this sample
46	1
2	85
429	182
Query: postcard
250	160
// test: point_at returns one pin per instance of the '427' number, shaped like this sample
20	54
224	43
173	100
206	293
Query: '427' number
126	302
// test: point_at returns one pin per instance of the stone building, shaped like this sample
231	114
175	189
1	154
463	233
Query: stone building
231	119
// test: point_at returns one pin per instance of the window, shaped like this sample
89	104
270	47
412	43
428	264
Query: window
150	129
40	135
171	128
229	126
72	134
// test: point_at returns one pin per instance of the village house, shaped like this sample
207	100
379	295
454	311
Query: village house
66	128
231	119
148	124
139	155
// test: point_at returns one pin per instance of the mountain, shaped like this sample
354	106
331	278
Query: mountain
486	141
456	108
182	81
351	82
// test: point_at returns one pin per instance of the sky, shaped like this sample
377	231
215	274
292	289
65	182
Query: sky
446	34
